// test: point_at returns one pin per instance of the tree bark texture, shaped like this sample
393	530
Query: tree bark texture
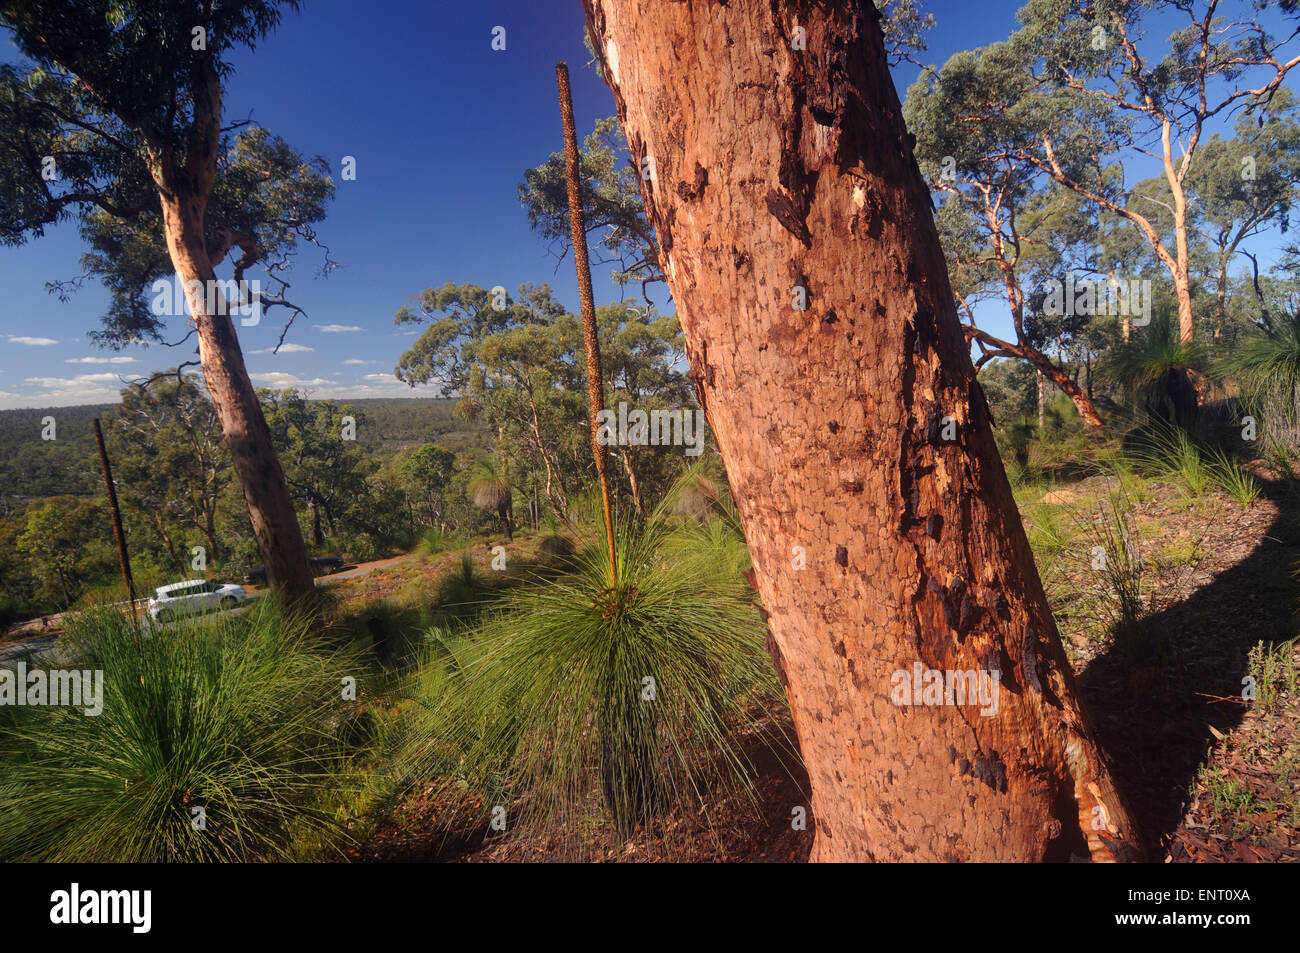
856	439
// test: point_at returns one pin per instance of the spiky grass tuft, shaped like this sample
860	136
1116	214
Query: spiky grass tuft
577	695
232	716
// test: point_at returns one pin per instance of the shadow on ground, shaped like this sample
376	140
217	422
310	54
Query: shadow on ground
1162	683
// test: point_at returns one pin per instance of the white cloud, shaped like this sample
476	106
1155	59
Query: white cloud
285	349
99	360
102	388
32	342
391	388
337	328
80	379
280	380
353	360
369	385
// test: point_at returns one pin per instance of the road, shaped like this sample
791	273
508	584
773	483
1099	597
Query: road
37	651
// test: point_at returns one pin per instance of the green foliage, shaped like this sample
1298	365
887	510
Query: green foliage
30	466
518	365
573	691
904	27
1242	186
1090	559
1116	547
232	716
123	114
1051	534
1229	477
171	465
491	489
460	589
435	541
1164	450
610	189
426	473
65	543
1168	451
1267	364
1228	795
1121	467
1011	390
175	485
1274	671
325	473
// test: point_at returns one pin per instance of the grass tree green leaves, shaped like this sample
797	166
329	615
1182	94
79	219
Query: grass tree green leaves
551	710
234	717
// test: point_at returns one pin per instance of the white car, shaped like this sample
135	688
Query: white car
192	597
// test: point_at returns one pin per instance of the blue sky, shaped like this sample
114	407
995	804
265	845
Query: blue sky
442	128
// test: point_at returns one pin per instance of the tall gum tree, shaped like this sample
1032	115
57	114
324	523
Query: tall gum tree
778	160
991	223
1093	53
127	101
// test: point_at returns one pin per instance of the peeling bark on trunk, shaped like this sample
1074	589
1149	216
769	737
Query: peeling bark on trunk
772	168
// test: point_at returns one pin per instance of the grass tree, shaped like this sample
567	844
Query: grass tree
214	746
1156	368
491	490
1266	366
629	688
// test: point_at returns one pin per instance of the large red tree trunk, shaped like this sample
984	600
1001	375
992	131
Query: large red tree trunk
774	168
270	508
